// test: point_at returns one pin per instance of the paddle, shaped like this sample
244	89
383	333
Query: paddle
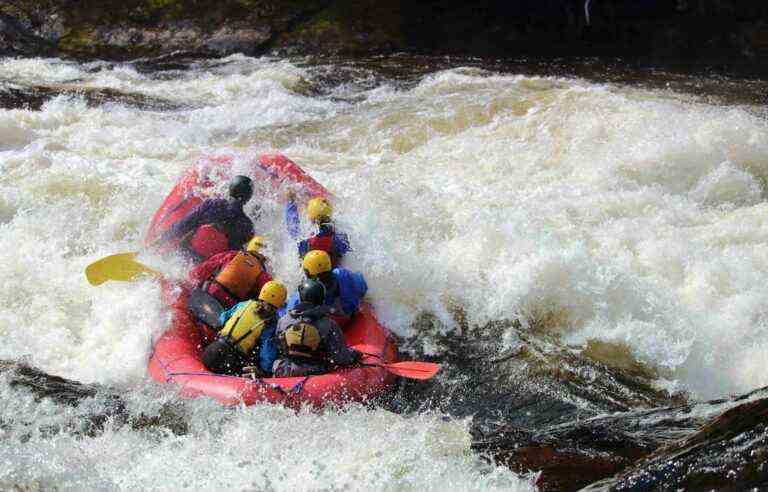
406	369
205	308
121	267
410	369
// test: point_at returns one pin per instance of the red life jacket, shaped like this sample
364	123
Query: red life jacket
208	241
226	299
324	243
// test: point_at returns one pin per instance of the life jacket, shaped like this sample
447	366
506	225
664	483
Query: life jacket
240	275
301	340
243	329
218	292
208	241
323	243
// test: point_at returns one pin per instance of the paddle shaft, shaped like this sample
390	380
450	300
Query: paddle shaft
407	369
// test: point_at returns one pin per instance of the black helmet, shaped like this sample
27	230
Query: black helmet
312	291
241	188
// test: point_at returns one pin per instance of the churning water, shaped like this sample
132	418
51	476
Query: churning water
589	211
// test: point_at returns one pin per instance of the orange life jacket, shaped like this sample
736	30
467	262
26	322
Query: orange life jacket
240	275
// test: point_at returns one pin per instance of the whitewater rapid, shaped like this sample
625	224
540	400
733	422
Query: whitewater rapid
590	211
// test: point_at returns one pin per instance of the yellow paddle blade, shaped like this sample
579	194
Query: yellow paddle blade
122	267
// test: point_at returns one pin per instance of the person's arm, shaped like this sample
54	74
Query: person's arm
268	350
196	217
223	317
293	300
338	352
352	288
241	232
303	248
205	270
340	244
292	221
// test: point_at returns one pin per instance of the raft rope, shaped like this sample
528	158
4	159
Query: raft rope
295	390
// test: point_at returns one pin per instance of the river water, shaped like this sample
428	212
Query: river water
586	210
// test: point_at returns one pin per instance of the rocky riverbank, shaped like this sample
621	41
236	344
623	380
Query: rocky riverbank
716	33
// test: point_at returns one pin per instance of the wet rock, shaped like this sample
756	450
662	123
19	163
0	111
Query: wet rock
43	385
113	29
15	39
726	33
124	40
577	453
96	405
33	97
231	39
350	27
540	406
535	382
727	453
706	446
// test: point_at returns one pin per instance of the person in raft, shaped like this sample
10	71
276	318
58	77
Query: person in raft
343	288
246	338
233	276
308	340
325	237
216	225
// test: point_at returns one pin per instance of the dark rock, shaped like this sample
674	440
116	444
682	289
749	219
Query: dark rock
106	405
728	453
712	443
729	33
114	29
33	97
542	407
236	40
533	404
16	40
350	27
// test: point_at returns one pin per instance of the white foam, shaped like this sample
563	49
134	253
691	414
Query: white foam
260	447
590	211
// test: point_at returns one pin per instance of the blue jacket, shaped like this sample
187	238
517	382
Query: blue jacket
349	289
227	215
267	345
293	223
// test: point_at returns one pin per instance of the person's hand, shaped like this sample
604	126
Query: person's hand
253	371
357	357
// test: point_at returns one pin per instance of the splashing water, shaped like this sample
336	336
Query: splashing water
590	211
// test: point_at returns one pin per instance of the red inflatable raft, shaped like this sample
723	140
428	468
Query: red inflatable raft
176	355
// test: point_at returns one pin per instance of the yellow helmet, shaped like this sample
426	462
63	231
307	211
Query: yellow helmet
316	262
273	293
255	244
319	208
